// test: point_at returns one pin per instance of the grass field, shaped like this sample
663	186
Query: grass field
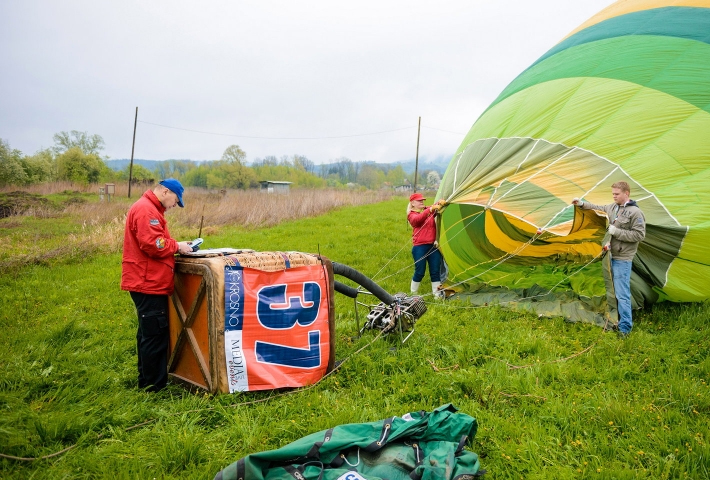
554	400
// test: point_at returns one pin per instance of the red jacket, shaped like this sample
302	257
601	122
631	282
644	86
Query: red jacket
424	226
148	250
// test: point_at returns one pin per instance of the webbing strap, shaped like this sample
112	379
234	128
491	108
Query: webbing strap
338	460
386	430
295	473
418	453
241	469
314	452
232	261
419	458
286	260
462	443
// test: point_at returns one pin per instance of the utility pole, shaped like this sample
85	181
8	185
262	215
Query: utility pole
130	170
416	159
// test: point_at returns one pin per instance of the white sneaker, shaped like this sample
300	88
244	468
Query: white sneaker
435	290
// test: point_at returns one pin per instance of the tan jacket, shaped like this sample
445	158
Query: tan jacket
631	227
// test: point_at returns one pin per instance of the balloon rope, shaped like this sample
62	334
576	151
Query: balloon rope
599	255
409	266
505	258
374	277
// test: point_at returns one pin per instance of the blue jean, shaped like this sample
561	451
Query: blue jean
621	271
424	254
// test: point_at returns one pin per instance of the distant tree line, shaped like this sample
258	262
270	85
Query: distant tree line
76	157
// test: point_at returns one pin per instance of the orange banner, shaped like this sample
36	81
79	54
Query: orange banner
276	327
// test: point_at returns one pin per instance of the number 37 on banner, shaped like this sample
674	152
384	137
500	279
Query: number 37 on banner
278	335
281	314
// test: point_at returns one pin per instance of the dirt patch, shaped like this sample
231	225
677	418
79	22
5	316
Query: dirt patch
74	200
17	203
10	224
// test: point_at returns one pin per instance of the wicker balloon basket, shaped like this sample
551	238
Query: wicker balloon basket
242	320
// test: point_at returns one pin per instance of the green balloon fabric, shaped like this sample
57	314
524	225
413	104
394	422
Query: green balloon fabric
625	97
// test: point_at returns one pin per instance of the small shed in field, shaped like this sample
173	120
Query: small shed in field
403	188
271	186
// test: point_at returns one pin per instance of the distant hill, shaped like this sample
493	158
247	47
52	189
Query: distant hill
120	164
439	163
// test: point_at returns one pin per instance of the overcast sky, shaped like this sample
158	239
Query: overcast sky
274	77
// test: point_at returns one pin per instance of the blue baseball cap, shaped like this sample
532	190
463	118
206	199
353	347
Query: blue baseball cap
175	187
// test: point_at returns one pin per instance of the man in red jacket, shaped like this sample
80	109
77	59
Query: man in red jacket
148	264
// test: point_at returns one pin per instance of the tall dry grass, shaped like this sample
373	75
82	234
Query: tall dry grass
50	188
250	209
60	186
253	209
102	226
77	231
247	209
99	226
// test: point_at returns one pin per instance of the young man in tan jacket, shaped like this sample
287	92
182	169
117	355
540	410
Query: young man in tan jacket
627	227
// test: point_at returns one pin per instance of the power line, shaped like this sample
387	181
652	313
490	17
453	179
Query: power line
275	138
293	138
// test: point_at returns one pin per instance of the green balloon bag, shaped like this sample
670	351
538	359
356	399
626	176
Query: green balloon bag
417	446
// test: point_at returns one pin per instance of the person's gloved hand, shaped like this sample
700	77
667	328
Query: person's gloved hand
612	230
438	205
606	247
576	201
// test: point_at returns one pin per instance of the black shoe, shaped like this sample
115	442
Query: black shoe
623	335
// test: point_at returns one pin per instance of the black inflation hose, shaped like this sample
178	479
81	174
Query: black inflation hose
362	280
346	290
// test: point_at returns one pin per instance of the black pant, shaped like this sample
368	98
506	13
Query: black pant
152	338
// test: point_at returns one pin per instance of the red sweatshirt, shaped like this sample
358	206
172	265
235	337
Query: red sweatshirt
148	250
424	226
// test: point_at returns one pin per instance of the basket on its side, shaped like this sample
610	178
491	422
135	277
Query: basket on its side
251	321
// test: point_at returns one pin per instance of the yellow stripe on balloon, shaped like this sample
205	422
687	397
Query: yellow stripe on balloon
564	245
624	7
